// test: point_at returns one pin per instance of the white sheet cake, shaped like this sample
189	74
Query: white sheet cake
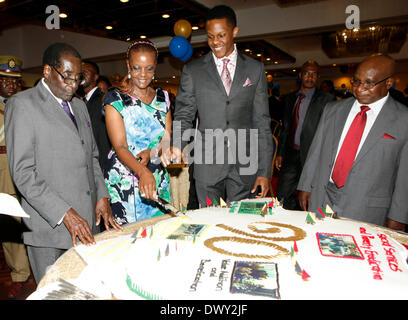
219	253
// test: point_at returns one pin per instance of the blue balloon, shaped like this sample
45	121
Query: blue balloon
188	54
179	46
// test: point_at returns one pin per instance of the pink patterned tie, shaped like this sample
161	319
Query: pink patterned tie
226	77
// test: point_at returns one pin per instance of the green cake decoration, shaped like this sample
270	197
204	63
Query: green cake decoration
141	292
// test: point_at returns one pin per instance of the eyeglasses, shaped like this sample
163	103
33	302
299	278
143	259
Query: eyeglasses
68	80
367	85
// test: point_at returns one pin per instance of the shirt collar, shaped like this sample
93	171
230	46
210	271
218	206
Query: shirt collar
376	106
308	93
90	93
49	90
233	57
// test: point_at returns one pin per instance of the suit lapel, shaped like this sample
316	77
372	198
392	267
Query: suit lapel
384	121
341	117
211	69
239	76
55	109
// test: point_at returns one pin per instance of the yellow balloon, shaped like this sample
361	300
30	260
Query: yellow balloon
182	28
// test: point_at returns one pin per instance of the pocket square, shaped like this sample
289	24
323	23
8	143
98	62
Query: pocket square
387	136
247	83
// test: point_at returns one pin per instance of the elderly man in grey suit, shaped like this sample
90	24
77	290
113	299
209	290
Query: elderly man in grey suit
54	161
358	160
229	92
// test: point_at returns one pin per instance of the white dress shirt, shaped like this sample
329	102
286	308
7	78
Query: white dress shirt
372	114
90	93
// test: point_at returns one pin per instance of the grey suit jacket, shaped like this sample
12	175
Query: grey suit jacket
377	185
54	166
201	91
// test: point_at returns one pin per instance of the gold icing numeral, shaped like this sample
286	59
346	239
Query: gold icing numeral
299	234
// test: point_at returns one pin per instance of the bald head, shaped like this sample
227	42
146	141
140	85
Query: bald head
377	68
381	62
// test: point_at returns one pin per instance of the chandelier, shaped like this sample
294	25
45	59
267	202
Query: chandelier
364	41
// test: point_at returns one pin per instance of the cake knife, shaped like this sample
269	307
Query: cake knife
168	205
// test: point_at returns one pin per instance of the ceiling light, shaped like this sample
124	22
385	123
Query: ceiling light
275	62
143	37
61	15
124	1
294	70
268	59
195	27
258	55
355	29
109	27
165	16
247	50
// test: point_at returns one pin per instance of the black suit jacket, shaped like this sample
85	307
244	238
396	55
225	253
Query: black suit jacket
95	106
312	117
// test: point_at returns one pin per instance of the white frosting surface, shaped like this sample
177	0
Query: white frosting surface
194	270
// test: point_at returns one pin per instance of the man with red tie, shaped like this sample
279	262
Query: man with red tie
358	160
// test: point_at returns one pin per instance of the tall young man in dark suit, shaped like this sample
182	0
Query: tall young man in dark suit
93	99
302	112
358	160
229	92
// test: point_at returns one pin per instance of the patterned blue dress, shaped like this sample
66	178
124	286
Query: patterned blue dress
144	126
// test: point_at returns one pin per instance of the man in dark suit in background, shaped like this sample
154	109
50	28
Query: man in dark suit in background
229	92
302	112
93	96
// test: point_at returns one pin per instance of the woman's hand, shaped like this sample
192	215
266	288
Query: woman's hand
147	185
144	156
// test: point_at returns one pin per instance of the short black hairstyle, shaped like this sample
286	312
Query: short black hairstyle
53	53
104	79
92	64
222	12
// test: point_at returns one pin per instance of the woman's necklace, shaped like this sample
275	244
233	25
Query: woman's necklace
141	97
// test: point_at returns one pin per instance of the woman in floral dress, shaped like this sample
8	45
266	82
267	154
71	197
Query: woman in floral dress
138	123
